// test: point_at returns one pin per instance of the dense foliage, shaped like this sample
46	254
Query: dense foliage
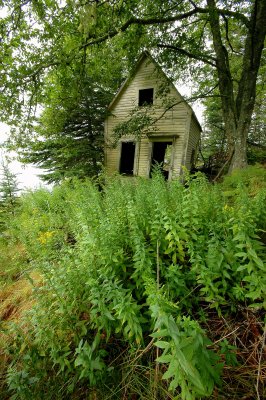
131	273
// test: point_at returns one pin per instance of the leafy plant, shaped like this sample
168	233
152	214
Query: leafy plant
128	274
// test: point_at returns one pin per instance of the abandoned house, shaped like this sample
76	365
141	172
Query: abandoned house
171	137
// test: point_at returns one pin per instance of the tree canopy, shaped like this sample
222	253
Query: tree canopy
217	43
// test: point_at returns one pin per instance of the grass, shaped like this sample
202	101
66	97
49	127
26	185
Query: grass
16	287
13	261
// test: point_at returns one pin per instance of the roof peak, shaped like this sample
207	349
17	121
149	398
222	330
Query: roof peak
146	54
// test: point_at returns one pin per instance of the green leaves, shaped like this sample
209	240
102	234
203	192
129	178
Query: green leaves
183	352
8	195
88	360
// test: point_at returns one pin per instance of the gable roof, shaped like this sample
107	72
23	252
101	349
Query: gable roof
125	84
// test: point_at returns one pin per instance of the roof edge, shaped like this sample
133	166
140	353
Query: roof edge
144	54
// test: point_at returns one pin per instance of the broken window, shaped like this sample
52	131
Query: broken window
161	156
127	158
145	97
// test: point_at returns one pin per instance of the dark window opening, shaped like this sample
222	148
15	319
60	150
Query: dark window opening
161	157
127	158
145	97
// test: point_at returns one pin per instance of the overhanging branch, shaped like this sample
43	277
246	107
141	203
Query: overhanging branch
192	98
92	39
200	57
138	21
140	122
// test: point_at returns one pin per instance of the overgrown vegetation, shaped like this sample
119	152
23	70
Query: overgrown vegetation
145	286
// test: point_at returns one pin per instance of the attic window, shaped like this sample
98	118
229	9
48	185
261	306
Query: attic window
145	97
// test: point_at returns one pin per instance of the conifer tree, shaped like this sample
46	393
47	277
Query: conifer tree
8	193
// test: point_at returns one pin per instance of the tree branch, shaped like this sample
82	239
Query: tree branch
193	98
39	69
193	4
138	21
144	125
227	35
159	20
204	58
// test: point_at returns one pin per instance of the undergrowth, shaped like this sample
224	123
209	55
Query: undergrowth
133	275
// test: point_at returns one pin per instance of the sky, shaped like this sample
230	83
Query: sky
27	176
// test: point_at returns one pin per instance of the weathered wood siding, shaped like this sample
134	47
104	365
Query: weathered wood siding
193	141
174	122
144	157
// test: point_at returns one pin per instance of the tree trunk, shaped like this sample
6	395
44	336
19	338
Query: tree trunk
239	158
246	96
237	112
224	77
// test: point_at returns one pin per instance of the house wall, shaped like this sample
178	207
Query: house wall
174	122
144	157
193	142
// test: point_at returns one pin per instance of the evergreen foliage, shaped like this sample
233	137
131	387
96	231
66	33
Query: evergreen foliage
8	193
130	273
69	134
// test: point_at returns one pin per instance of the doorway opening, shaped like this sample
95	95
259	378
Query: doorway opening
161	157
127	158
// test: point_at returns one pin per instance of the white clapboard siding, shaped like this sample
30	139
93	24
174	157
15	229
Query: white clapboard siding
144	158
